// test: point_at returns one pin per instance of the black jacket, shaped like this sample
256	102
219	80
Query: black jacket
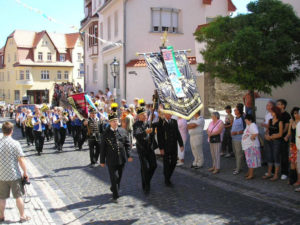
144	142
168	136
115	147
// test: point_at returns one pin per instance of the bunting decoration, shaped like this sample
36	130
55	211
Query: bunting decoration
175	82
76	29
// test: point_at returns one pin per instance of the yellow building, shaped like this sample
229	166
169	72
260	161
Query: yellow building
32	62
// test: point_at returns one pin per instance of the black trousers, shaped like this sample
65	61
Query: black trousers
69	127
148	167
80	136
39	137
56	137
227	142
48	132
22	130
74	135
29	135
284	156
59	137
169	161
94	147
115	174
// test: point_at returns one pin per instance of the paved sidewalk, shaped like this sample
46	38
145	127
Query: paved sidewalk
40	197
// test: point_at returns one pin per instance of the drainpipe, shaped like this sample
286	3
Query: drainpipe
124	47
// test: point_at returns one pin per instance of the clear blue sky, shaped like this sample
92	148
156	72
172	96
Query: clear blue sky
14	16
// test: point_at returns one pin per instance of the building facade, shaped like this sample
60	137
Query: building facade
138	26
32	62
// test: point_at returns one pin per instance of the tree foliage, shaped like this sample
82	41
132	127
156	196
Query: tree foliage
256	51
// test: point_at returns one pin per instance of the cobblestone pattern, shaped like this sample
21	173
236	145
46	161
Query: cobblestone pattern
197	198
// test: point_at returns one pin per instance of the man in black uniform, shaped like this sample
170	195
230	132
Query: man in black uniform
115	150
168	136
145	141
94	127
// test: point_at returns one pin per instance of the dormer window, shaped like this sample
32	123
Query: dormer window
49	56
44	43
62	57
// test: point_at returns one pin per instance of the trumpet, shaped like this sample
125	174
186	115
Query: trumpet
65	113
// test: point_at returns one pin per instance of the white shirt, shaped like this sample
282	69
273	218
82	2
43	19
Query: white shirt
298	136
22	117
246	138
200	122
40	124
108	94
268	116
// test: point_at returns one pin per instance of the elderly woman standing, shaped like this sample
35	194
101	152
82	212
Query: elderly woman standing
251	146
214	132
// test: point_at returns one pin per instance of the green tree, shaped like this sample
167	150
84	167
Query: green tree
256	51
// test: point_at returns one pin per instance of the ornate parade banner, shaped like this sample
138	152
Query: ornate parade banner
79	105
167	86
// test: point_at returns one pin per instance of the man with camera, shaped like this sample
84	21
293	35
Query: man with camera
11	156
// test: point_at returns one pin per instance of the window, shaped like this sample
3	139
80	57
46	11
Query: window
108	29
66	75
27	75
95	77
17	95
44	43
165	20
62	57
21	74
93	32
79	57
116	24
8	76
45	75
101	32
49	56
40	56
59	75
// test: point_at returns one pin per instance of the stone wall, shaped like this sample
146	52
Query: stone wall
218	94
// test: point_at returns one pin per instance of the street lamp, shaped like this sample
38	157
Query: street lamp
115	71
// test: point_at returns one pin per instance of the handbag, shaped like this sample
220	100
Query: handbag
215	138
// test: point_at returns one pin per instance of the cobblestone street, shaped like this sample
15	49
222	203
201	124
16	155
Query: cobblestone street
70	192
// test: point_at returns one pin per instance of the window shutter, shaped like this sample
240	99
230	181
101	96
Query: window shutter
166	19
155	18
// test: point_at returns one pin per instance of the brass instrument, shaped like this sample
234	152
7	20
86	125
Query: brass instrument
44	108
65	113
28	122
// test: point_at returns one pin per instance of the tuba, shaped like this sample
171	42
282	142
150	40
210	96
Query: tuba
44	108
28	122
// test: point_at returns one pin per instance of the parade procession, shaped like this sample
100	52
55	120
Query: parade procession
122	112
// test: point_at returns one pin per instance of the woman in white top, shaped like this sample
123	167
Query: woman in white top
251	146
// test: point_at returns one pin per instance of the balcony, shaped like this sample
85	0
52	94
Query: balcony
25	82
93	51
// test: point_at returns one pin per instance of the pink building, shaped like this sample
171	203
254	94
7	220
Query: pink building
137	26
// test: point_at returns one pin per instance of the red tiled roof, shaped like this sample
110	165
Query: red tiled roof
37	38
231	6
71	39
201	26
142	62
207	2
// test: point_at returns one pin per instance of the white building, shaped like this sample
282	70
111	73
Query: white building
138	25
